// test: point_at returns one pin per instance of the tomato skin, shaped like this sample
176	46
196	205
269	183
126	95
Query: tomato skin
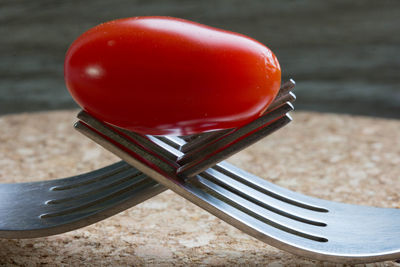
168	76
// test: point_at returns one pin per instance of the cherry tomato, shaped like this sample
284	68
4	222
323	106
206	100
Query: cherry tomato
168	76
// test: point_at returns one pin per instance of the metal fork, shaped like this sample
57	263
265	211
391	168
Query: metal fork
299	224
57	206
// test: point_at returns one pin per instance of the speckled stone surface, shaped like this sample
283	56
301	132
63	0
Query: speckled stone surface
342	158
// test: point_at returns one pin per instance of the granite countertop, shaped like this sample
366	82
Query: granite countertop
336	157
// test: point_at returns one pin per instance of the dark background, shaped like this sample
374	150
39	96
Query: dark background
344	55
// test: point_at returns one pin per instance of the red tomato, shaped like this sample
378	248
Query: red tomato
168	76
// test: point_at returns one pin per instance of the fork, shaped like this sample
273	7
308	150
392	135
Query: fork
299	224
61	205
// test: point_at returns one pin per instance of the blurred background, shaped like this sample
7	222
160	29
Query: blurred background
344	55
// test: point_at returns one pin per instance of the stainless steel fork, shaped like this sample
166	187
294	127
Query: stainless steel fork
57	206
299	224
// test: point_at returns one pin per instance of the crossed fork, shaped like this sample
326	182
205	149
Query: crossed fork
191	166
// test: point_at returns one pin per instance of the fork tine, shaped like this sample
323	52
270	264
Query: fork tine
204	139
270	189
93	201
173	141
202	152
280	100
150	143
196	167
267	215
101	131
216	154
171	145
98	187
188	138
286	87
284	95
261	199
93	177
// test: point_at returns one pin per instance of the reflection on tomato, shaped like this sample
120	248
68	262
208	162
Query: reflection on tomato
162	75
